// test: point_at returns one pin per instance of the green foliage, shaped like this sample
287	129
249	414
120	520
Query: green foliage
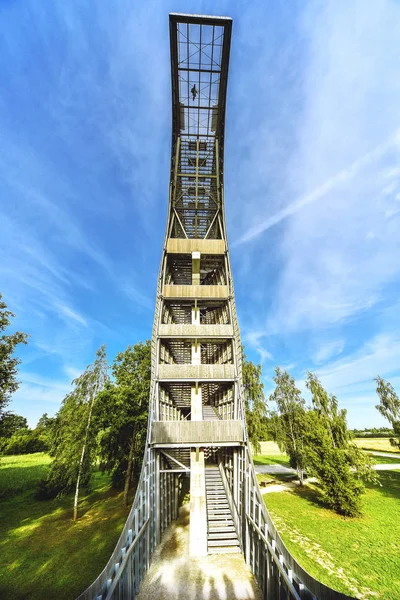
73	440
389	407
373	432
318	441
17	438
331	456
254	403
290	423
8	362
10	423
122	431
24	441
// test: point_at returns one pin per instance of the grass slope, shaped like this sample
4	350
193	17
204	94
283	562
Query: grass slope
360	557
44	554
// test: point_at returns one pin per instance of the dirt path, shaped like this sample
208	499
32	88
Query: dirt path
174	575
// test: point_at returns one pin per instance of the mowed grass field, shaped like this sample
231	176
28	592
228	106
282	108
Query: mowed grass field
44	554
359	557
376	444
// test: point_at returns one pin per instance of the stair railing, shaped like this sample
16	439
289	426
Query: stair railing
232	504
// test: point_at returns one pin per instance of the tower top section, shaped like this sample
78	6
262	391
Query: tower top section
199	68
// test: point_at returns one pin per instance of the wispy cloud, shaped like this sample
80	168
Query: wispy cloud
339	253
342	177
72	314
253	339
137	296
328	350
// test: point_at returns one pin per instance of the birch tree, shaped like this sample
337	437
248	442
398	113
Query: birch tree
290	426
74	441
389	407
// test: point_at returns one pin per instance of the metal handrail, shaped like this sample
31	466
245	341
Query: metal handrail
276	560
125	560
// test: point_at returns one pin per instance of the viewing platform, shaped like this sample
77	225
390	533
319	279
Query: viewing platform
175	433
187	246
183	372
183	330
196	291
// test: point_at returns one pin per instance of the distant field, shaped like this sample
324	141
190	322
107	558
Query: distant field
44	554
19	473
270	448
377	444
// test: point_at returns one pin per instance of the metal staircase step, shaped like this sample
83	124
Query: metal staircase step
228	550
222	529
215	543
222	537
218	535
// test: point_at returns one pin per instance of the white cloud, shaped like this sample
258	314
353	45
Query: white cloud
137	296
379	356
342	177
72	314
72	372
253	339
341	252
328	350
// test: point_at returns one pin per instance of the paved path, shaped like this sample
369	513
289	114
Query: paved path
387	454
173	575
274	469
282	470
386	467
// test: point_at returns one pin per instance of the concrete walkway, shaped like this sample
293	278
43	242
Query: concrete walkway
274	470
387	454
281	470
174	575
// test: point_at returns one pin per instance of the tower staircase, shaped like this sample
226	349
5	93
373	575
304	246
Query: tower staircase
209	413
221	532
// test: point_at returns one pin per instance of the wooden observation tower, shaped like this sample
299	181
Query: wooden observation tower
197	430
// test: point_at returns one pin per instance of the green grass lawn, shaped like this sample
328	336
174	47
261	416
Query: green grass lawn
360	557
44	554
271	459
386	460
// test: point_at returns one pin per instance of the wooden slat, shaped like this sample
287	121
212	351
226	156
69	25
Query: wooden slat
185	432
187	246
195	331
196	291
196	372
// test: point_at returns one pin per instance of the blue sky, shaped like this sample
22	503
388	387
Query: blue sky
312	185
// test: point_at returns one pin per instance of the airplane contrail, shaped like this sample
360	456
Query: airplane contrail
343	175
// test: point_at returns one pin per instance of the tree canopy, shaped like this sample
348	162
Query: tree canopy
389	407
8	362
341	467
317	440
254	403
290	427
123	430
